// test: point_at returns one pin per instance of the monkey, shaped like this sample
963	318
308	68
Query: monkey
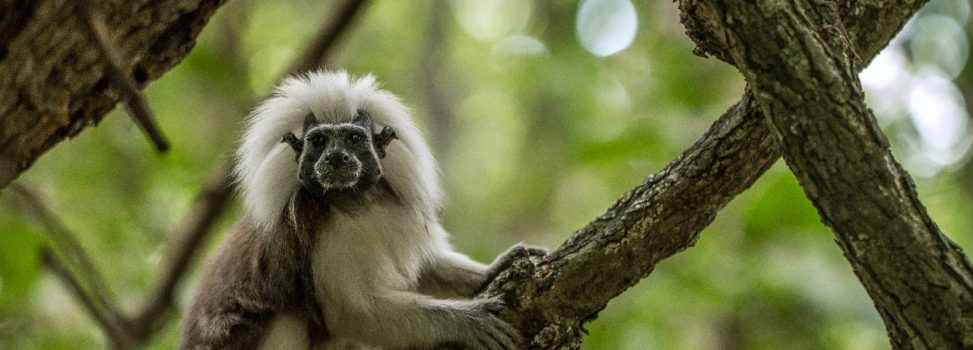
340	245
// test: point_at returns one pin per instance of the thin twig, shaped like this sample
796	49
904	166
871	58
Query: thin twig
211	202
67	242
94	23
325	39
431	67
114	326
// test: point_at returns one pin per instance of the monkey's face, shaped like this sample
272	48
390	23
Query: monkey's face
339	159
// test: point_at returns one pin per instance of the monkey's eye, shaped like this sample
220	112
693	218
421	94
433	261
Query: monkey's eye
354	139
317	140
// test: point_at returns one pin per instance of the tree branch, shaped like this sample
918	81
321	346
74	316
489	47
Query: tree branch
326	39
113	325
440	110
56	83
209	206
88	285
94	24
67	243
805	73
551	298
660	217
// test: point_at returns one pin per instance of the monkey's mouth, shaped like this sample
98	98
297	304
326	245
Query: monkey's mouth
338	178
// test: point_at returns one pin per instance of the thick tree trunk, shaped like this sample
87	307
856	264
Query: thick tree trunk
552	298
800	62
55	80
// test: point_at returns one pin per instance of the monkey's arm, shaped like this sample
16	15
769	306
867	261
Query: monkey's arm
396	317
452	274
240	294
226	322
226	313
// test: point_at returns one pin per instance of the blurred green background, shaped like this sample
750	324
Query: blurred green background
541	114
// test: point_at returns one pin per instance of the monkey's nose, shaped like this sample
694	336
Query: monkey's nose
337	158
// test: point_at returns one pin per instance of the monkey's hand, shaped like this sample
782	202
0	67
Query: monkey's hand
489	331
401	319
505	260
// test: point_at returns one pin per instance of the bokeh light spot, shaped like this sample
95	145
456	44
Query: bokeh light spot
605	27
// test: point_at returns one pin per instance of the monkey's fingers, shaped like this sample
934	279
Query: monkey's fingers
534	251
496	333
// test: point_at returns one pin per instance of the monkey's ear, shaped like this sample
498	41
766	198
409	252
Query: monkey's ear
294	142
363	119
309	121
383	139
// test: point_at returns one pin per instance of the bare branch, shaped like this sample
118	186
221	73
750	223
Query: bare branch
67	243
138	107
113	325
325	40
440	114
209	206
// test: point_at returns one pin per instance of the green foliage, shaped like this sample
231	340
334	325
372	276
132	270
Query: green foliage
535	136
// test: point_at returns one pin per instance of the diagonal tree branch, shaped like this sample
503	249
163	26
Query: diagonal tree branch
67	243
660	217
431	70
805	73
113	325
88	286
209	206
551	298
327	38
93	21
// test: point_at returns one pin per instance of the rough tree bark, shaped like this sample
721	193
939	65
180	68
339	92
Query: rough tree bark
552	297
798	59
550	300
56	81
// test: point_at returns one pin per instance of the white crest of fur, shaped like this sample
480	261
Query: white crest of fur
266	168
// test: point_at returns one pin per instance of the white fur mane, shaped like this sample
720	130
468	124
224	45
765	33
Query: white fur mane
266	168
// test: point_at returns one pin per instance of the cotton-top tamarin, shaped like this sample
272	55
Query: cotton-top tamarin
340	245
